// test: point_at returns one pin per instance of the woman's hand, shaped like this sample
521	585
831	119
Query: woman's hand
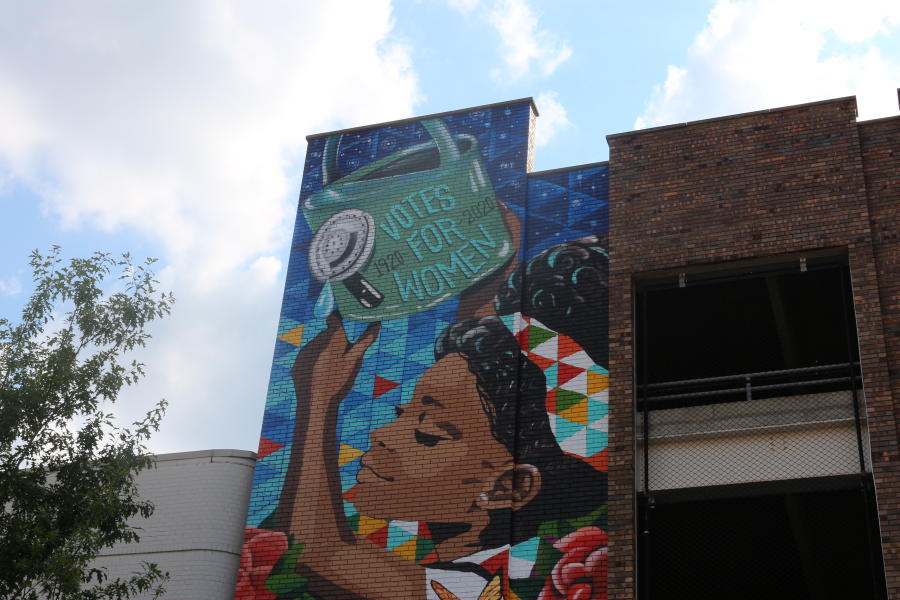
326	368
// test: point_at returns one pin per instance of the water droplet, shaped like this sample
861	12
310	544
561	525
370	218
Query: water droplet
325	302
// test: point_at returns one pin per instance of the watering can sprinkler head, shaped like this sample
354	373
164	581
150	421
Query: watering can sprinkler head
340	248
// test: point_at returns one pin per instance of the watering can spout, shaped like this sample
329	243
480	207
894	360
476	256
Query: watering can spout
329	160
446	145
443	139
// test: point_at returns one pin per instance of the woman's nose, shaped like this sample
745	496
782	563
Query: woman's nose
380	438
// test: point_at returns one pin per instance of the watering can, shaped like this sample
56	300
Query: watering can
408	231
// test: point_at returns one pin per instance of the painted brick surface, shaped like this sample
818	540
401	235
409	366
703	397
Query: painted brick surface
755	186
196	531
328	516
436	423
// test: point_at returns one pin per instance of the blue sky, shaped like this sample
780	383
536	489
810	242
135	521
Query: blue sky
177	130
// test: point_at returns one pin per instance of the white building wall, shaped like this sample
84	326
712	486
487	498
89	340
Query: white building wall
196	531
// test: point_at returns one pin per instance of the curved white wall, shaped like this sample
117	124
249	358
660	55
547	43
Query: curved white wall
196	531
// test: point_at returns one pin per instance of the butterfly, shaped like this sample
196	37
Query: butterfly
492	591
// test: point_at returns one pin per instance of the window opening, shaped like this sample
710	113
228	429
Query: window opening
749	379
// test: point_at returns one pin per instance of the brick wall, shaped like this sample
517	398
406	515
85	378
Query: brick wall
742	187
395	429
880	141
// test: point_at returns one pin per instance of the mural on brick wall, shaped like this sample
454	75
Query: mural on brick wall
436	423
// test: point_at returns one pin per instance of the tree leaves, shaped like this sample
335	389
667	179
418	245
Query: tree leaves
66	467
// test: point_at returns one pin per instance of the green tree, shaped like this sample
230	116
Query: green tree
67	469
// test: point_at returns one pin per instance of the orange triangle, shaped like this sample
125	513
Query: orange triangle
368	525
348	454
566	346
383	386
293	337
597	382
407	550
430	558
350	495
577	413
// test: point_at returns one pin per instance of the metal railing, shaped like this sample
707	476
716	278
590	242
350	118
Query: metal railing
788	425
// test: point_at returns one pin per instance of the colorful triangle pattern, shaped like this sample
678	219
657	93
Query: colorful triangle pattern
408	539
577	389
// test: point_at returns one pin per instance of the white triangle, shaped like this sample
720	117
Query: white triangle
577	444
539	324
601	396
407	526
552	422
548	349
519	568
519	322
579	359
577	384
600	424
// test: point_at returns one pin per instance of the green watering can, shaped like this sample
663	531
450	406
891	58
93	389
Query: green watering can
408	231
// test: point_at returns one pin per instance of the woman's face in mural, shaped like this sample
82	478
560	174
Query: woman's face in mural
438	460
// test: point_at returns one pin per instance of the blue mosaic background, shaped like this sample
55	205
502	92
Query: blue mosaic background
554	207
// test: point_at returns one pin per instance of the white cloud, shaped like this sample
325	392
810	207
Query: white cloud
183	123
11	286
525	46
552	119
755	54
463	6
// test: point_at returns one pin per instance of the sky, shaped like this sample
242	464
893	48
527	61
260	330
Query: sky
176	129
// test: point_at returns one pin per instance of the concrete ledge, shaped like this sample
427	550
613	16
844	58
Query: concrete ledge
210	454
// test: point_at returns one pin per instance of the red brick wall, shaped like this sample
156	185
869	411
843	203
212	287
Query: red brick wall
741	187
880	142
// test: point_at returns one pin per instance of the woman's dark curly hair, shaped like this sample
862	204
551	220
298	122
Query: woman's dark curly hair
565	287
512	391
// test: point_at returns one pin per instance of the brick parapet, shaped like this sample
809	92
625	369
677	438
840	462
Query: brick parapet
744	187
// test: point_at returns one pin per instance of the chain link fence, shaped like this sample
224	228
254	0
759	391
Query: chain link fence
757	485
777	425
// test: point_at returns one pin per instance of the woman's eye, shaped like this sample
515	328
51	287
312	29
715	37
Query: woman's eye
426	439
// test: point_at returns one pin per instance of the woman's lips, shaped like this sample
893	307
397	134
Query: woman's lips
366	472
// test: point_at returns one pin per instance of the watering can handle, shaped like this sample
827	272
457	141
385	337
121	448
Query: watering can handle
443	139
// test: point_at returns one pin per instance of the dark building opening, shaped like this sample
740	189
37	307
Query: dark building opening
745	322
754	475
756	541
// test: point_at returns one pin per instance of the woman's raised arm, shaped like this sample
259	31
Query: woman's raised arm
311	506
323	373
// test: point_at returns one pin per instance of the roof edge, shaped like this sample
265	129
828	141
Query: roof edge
879	120
601	163
528	99
734	116
213	453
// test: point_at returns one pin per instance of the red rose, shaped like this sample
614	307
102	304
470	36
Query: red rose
581	573
262	549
